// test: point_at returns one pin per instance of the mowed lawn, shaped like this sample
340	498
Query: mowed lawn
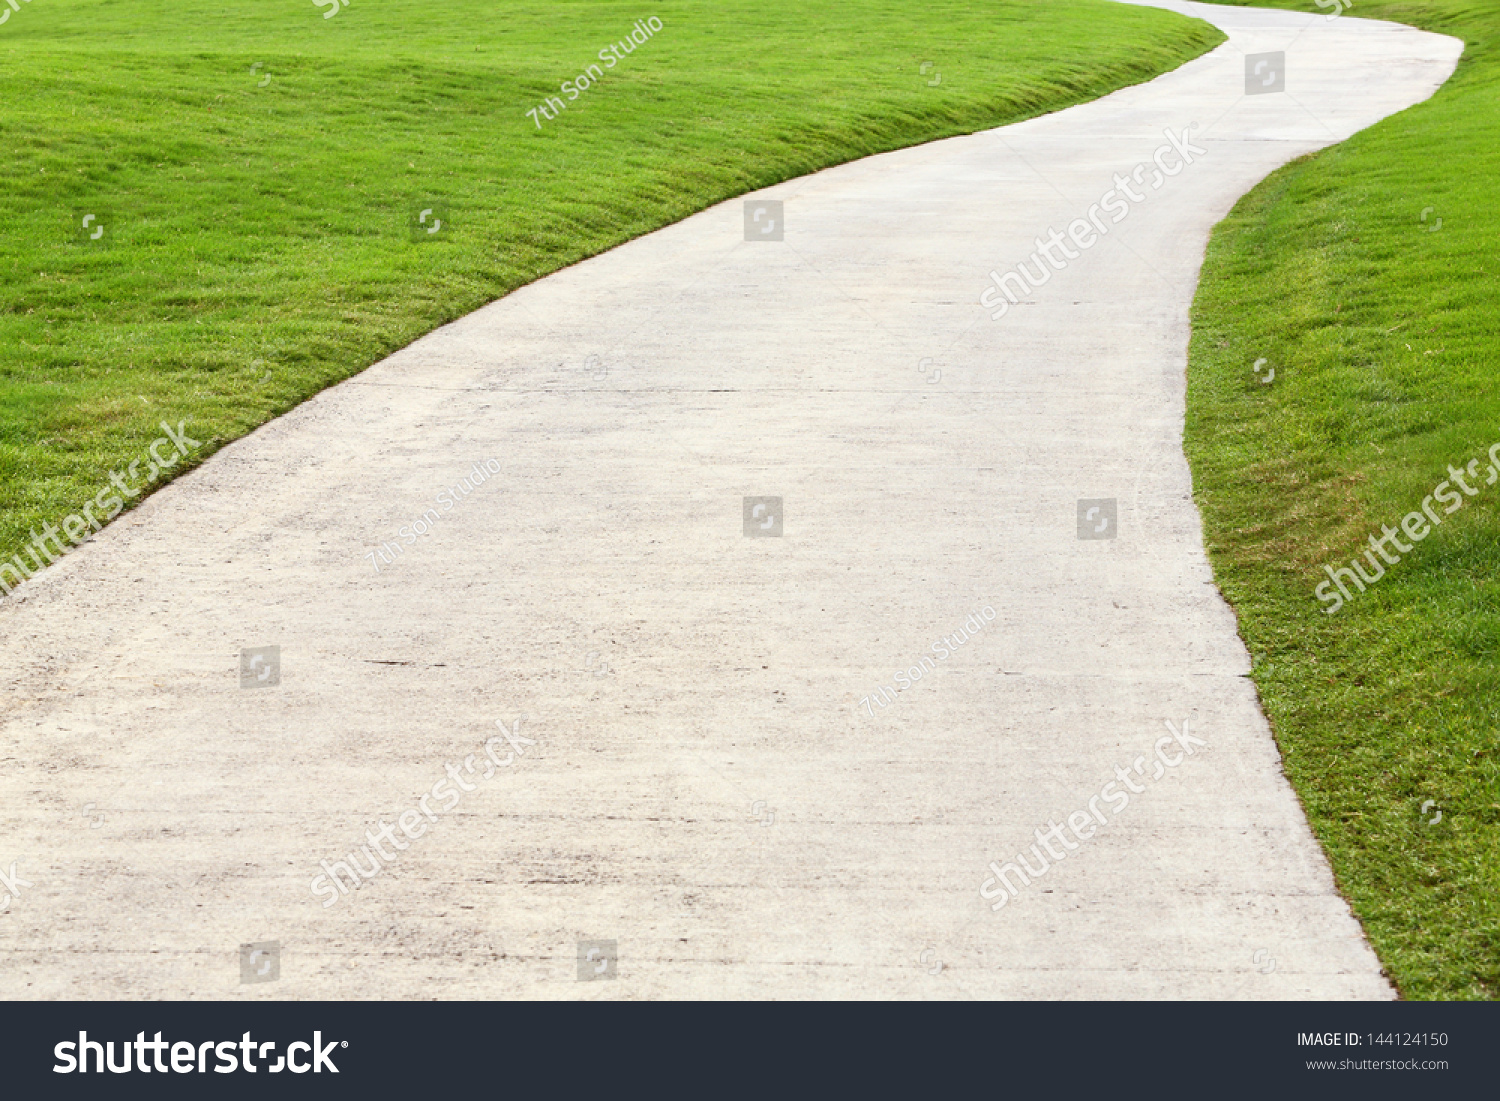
257	168
1368	277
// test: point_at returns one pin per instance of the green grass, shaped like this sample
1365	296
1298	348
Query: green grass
1383	335
260	235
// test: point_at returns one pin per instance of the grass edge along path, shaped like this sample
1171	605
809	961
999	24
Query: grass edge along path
1365	276
258	168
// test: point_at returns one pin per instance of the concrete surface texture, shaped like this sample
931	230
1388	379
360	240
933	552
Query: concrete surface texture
706	776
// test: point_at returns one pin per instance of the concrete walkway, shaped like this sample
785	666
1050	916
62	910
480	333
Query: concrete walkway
697	803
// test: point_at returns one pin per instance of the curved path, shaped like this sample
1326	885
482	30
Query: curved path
705	788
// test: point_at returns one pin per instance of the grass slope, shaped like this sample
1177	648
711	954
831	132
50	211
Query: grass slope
1382	329
259	230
